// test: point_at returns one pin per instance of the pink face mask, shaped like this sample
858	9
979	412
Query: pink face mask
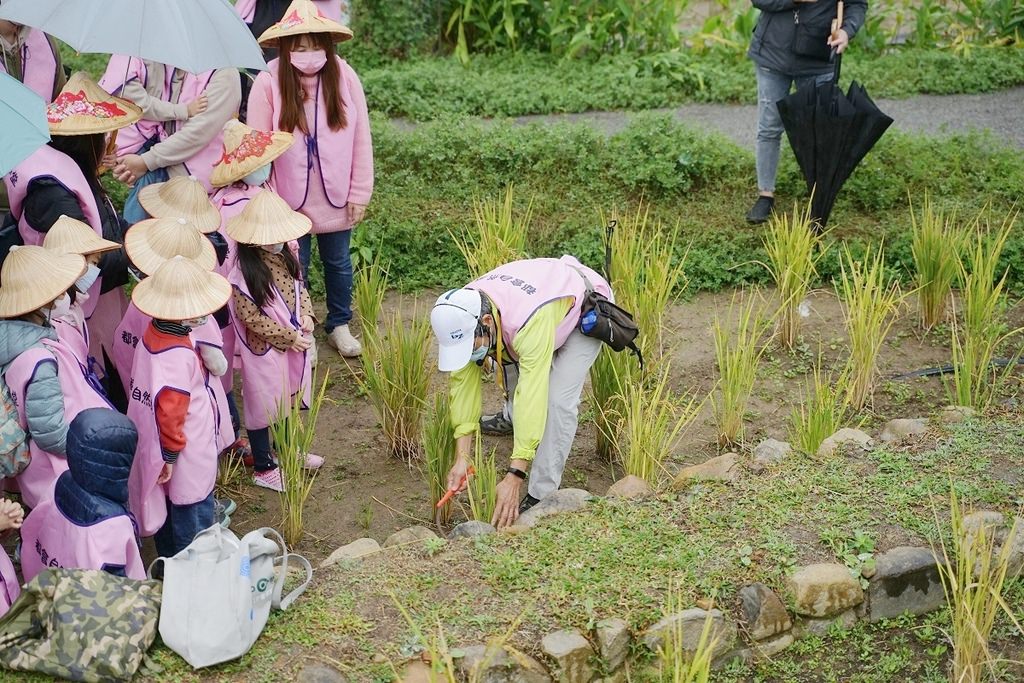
308	63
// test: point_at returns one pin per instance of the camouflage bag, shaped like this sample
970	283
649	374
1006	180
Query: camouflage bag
80	625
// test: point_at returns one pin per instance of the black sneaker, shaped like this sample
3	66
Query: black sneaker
527	502
761	211
495	425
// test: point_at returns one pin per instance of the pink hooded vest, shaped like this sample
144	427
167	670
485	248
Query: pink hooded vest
10	587
519	288
331	9
275	377
38	479
122	69
49	539
178	369
344	157
38	64
201	165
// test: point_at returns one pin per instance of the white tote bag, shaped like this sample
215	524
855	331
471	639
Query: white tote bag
219	590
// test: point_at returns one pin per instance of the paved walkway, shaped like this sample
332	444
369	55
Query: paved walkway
1001	112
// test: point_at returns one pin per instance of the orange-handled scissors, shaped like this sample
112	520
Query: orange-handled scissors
451	493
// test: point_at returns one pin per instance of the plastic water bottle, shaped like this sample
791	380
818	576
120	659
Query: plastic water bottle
588	321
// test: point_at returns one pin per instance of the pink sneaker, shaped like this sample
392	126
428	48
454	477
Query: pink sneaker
313	461
271	479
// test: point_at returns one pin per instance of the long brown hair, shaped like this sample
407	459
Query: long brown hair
293	115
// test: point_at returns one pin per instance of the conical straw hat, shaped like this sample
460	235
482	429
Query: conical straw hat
247	149
32	277
84	108
151	242
267	219
70	236
302	16
181	197
179	290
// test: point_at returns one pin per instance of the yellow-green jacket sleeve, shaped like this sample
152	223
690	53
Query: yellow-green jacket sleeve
535	347
465	392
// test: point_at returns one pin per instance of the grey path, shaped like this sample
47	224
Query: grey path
1001	112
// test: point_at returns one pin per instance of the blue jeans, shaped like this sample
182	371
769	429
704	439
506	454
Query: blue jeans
773	86
337	260
182	525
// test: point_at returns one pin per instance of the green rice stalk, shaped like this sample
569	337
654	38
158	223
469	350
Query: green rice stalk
368	291
677	664
822	411
738	351
974	577
499	236
483	485
650	424
983	330
292	433
647	278
396	377
871	301
936	243
438	454
794	249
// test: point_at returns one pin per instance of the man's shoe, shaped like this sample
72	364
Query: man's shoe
495	425
341	339
761	211
527	502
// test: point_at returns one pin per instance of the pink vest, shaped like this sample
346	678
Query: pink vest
519	288
210	334
328	8
130	139
38	479
49	539
175	369
73	332
230	201
201	165
38	65
10	587
274	377
335	147
126	340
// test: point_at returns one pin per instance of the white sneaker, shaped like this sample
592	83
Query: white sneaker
347	345
271	479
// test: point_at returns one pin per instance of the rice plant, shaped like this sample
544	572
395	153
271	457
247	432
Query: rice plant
292	434
794	249
649	424
396	377
976	339
438	454
368	291
936	243
647	277
483	485
679	661
500	235
821	412
871	300
973	577
738	352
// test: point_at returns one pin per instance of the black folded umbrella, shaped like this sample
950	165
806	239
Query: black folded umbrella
830	133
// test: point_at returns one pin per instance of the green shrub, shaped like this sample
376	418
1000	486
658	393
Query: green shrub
397	29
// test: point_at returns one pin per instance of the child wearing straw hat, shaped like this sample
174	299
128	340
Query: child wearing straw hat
69	236
328	176
171	483
62	179
48	384
273	317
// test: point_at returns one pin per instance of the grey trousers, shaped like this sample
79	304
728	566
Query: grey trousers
569	369
772	86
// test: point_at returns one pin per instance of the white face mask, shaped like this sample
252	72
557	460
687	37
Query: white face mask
273	248
258	177
59	308
195	322
83	284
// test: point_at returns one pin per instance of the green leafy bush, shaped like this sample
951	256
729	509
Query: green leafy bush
396	29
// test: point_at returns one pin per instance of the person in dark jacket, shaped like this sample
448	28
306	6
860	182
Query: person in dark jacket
87	524
792	45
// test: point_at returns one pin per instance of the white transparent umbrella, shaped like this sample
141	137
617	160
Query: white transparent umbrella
194	35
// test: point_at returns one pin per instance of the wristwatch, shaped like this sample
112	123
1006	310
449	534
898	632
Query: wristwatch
517	472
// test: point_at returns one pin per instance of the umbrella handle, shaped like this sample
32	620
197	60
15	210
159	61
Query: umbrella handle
837	24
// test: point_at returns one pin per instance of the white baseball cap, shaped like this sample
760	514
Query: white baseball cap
454	318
